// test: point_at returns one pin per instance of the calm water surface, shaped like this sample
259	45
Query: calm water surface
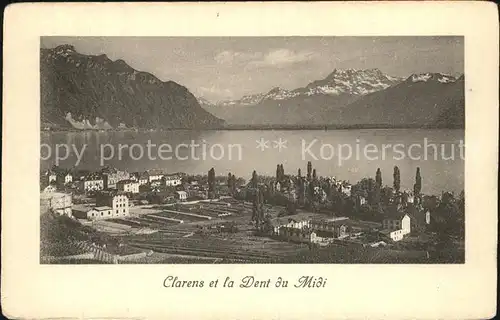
237	152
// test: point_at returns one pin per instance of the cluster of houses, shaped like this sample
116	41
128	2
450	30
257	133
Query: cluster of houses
289	188
106	179
306	228
113	190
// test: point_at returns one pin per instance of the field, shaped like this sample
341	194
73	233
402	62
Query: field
192	233
220	232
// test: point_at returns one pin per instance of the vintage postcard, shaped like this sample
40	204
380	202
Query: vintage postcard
337	156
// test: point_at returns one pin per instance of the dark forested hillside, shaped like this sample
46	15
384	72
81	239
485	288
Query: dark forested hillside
85	92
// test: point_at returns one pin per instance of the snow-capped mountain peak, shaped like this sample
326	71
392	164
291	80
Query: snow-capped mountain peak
354	82
278	93
424	77
351	81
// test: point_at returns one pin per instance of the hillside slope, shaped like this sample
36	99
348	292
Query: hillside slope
94	92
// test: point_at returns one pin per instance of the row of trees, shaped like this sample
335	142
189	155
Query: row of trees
232	183
280	173
417	187
369	198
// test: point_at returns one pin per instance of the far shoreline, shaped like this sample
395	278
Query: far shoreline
269	128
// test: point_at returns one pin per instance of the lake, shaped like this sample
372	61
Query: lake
346	154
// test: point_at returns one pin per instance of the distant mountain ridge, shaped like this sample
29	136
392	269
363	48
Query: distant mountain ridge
349	81
427	98
93	92
354	97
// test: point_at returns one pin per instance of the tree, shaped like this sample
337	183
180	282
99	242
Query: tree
363	187
299	174
309	170
261	205
233	184
211	183
254	181
371	192
385	195
397	179
258	209
255	208
278	173
337	200
417	187
378	178
300	191
378	186
447	218
267	225
314	176
230	182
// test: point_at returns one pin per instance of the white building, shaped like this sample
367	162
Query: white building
172	181
397	227
143	179
96	213
128	186
112	177
52	176
64	178
118	202
298	224
155	175
68	178
395	235
94	184
181	195
322	237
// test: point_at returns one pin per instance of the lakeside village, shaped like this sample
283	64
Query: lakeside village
113	216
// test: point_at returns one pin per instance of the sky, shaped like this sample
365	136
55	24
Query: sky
222	68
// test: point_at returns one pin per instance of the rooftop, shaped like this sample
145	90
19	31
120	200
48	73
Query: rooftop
103	208
324	234
92	178
82	207
172	177
126	181
112	193
155	172
333	219
301	216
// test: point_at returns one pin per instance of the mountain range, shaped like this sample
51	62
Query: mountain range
93	92
354	97
81	91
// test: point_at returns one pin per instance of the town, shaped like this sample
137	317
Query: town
115	216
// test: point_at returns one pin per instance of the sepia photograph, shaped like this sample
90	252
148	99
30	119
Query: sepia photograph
250	160
252	150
